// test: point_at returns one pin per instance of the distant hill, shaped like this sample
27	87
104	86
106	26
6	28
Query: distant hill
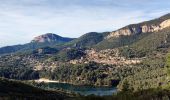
135	32
48	39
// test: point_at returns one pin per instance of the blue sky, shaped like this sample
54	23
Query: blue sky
21	20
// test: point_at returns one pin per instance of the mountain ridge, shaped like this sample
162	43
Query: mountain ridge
105	40
48	39
143	27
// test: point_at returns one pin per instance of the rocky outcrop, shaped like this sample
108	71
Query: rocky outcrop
50	37
44	38
138	29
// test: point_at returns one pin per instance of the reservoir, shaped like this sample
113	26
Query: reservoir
83	90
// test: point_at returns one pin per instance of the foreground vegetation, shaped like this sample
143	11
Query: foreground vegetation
12	90
149	94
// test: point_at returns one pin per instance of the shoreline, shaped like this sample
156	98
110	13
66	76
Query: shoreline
45	80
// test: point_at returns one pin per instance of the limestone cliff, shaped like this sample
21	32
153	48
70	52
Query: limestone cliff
138	29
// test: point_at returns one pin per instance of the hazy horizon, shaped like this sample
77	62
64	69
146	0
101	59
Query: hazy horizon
22	20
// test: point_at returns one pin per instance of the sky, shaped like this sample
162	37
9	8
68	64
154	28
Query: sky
22	20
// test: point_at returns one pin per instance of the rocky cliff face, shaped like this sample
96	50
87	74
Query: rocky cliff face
50	37
138	29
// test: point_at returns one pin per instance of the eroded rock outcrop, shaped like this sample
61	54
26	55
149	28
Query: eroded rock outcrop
138	29
50	37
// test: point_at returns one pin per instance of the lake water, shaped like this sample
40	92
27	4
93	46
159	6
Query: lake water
84	90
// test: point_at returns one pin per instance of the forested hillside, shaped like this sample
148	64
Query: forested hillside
136	63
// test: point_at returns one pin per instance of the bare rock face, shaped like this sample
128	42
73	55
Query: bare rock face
50	37
139	29
165	23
